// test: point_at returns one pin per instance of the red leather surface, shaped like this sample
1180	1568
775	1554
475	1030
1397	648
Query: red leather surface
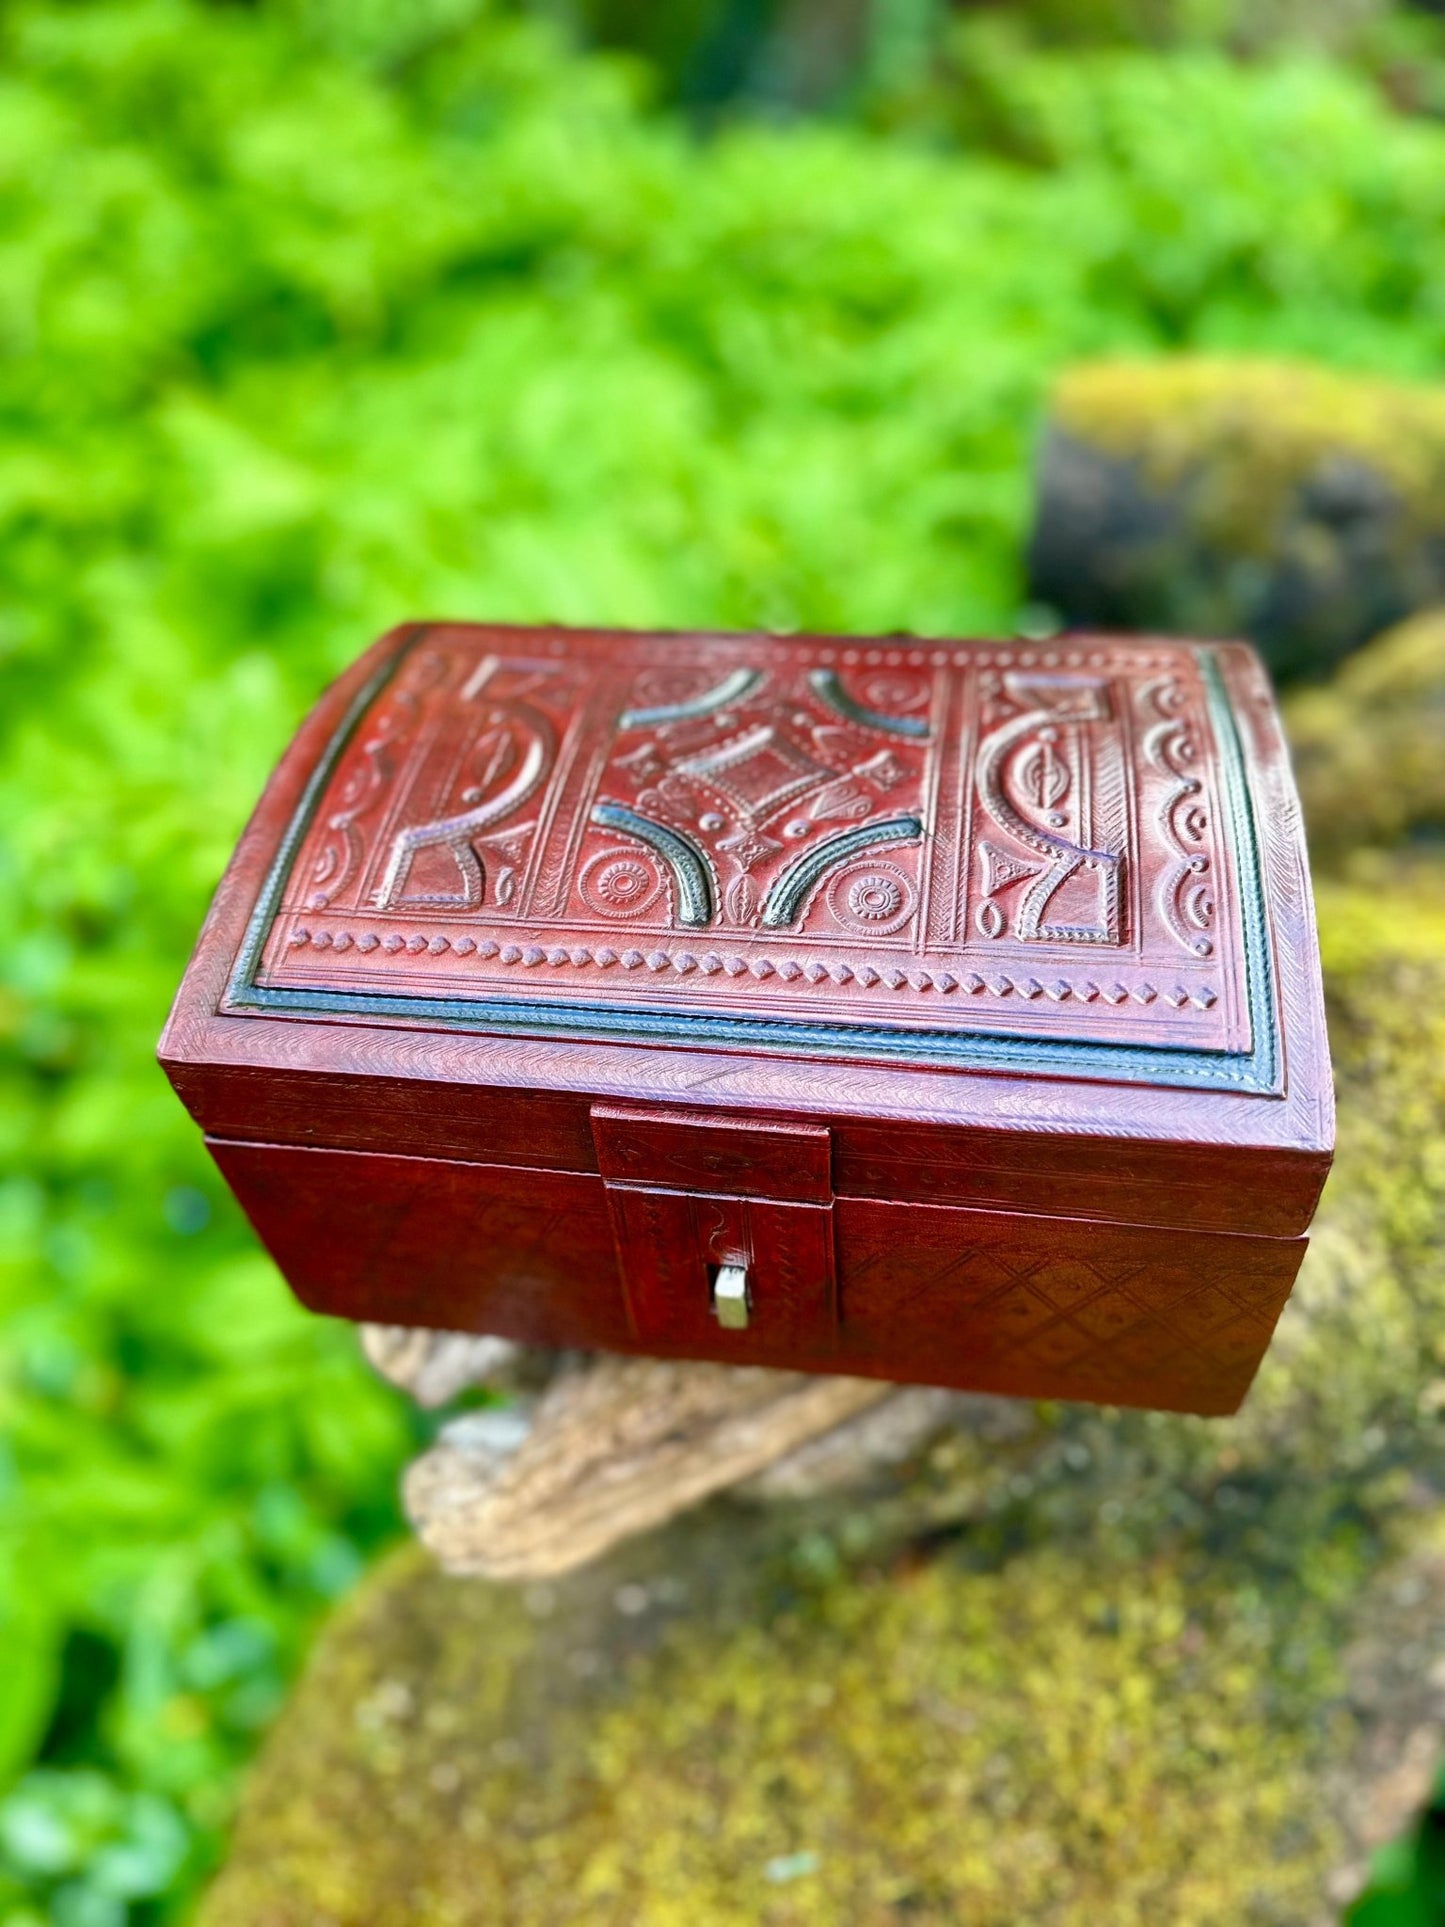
986	1301
1070	877
690	1151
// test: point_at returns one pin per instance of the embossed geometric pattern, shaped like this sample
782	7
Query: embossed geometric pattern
1031	842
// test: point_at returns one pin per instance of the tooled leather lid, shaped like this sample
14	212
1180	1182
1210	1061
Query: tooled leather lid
964	855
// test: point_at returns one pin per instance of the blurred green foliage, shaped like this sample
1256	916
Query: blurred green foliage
322	314
1408	1889
916	62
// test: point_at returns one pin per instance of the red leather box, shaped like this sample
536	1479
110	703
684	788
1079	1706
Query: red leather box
942	1011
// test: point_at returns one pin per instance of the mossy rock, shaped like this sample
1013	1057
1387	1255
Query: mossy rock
1300	507
1092	1666
936	1742
1369	746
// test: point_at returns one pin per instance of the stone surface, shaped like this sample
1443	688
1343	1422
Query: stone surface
1301	508
1045	1664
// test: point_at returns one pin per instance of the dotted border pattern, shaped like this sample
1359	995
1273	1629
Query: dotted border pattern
684	962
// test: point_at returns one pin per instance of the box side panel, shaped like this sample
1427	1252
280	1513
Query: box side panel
983	1301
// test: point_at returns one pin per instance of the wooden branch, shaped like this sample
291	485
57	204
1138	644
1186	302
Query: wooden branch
615	1446
433	1366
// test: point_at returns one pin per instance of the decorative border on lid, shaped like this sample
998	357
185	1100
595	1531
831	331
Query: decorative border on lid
1257	1072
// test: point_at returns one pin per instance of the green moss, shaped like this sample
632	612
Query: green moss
1367	746
1244	435
970	1745
956	1745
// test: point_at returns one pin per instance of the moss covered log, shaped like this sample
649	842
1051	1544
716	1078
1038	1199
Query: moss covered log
1294	505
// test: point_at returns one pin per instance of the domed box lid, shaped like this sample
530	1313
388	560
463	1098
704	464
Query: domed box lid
1029	891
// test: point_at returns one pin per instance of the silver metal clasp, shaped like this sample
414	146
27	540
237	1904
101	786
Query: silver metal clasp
731	1299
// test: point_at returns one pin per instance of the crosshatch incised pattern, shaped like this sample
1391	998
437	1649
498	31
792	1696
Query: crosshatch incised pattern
1200	1322
1025	840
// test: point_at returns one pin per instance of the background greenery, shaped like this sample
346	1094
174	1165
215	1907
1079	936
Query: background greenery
319	314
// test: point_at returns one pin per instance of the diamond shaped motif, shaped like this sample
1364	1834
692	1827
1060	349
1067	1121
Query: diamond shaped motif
1058	1344
759	770
1017	1316
747	846
1203	1313
1067	1283
1109	1315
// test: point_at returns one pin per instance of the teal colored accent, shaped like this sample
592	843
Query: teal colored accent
1260	999
732	689
796	884
242	988
689	869
827	685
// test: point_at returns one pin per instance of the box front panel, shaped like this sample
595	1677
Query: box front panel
992	1301
671	1246
424	1241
